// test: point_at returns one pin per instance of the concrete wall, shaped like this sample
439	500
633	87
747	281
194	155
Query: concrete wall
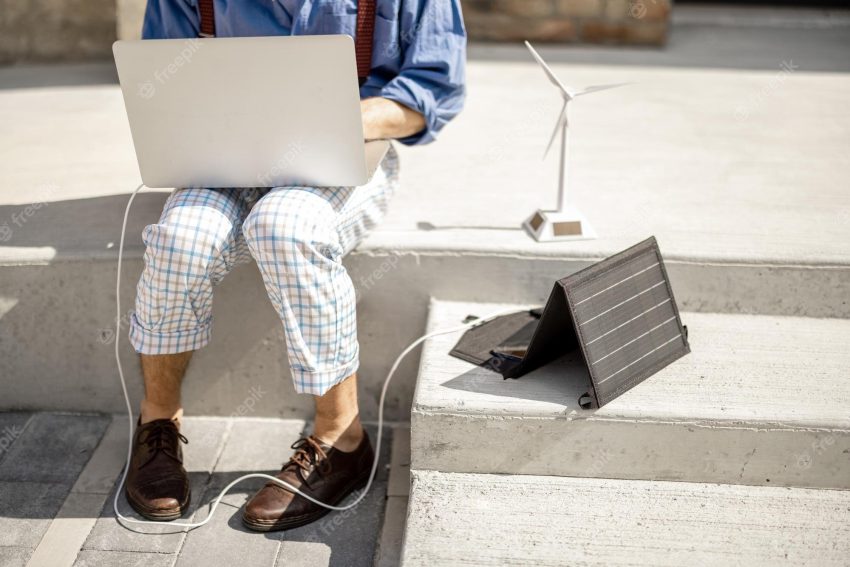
57	342
56	337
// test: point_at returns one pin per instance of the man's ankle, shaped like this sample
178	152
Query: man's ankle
345	440
151	412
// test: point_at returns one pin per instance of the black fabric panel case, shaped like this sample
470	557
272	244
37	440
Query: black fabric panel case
619	312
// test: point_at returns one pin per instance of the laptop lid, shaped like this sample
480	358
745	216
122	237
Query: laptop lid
246	112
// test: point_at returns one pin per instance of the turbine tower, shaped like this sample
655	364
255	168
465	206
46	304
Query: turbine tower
565	223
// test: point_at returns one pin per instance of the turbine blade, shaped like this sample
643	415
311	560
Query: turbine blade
597	88
549	73
562	118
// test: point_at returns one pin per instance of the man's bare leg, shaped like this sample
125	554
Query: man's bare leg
349	461
338	416
163	374
157	485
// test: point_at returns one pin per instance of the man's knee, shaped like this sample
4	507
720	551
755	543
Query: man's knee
291	221
192	249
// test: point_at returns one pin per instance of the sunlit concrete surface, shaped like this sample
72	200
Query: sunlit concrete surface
730	146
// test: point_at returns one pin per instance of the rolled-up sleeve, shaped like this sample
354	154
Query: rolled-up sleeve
432	77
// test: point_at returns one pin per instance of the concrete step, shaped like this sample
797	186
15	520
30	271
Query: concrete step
761	400
482	519
733	203
58	311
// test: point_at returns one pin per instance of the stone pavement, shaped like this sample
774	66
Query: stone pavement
57	481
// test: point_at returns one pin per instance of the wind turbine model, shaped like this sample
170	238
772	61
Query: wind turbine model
564	223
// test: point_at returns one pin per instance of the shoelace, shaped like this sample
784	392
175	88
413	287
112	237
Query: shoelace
159	439
309	455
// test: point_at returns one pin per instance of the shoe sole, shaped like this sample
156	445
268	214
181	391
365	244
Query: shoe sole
159	515
291	523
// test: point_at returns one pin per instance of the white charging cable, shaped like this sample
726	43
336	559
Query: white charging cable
125	521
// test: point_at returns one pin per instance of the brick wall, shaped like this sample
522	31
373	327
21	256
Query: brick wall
56	30
637	22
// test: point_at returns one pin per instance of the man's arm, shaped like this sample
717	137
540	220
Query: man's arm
384	119
431	79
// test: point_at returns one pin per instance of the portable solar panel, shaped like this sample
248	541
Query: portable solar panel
620	313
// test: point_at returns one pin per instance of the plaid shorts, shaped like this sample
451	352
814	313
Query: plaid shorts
298	237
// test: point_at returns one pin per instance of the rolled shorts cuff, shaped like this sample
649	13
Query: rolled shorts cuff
318	382
153	342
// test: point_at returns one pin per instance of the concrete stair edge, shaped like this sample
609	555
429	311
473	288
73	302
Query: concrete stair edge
679	425
549	521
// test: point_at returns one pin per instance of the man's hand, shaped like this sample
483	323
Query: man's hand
384	119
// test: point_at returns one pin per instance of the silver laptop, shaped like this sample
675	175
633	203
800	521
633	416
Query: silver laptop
246	112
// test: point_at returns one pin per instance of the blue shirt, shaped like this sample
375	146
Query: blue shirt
419	52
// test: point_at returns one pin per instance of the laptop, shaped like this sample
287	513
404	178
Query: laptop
246	112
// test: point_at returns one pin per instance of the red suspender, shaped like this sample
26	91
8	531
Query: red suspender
207	12
362	43
364	39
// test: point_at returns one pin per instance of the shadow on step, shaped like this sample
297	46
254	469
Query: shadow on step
76	228
561	382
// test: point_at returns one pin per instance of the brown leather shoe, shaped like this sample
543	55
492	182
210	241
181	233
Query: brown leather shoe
157	485
325	473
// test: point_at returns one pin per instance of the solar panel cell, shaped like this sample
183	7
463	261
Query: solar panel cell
618	277
626	319
601	317
621	312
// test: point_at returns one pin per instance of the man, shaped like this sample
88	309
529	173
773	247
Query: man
298	236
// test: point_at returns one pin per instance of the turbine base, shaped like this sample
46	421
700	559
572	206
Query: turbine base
556	226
